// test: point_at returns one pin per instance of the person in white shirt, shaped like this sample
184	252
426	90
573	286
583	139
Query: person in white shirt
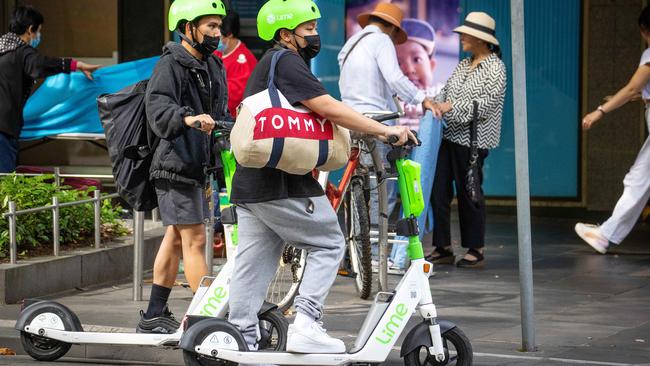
637	181
370	72
370	76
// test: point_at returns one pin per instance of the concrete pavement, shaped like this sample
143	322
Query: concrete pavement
591	309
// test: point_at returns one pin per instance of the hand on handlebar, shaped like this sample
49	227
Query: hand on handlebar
401	133
201	122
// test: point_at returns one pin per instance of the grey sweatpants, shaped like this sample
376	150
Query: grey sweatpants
307	223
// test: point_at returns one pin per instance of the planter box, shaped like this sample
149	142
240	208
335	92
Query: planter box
46	276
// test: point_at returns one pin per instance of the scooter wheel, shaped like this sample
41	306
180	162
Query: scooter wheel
43	349
210	335
273	328
458	351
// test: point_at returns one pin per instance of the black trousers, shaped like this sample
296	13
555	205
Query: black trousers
453	160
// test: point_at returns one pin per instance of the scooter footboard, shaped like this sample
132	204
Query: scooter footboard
419	336
70	320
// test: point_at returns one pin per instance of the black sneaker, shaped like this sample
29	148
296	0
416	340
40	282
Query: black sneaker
164	324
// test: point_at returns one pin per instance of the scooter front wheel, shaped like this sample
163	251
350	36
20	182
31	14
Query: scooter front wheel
458	351
43	349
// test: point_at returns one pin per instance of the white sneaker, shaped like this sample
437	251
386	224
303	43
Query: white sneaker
312	339
592	236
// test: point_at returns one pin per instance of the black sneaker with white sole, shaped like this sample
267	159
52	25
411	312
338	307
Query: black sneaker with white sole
164	324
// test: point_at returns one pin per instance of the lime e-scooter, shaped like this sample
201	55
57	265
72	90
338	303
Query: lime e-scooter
48	329
432	341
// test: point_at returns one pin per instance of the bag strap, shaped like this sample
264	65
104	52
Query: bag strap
353	46
273	90
473	135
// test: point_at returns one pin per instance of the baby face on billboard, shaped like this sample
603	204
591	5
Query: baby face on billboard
416	64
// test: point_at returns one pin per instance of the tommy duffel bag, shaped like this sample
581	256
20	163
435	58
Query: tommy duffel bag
270	132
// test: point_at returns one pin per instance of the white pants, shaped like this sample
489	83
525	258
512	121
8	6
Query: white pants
635	195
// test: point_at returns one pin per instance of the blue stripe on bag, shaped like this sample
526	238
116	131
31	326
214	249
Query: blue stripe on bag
278	142
276	152
323	149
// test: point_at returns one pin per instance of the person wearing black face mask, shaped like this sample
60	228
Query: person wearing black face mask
186	93
311	49
274	206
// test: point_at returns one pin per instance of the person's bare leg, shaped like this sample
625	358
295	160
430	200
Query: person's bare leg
193	243
165	267
157	318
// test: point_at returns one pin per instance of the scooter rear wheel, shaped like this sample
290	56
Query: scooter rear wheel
43	349
453	340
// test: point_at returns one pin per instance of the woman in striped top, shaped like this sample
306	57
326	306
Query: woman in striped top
481	78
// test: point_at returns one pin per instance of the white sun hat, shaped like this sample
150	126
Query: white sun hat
479	25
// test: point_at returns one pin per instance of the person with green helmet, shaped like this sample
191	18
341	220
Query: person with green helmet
187	89
274	207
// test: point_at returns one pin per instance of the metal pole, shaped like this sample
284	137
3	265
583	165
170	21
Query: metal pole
56	234
523	185
209	228
138	254
155	215
12	232
57	176
97	195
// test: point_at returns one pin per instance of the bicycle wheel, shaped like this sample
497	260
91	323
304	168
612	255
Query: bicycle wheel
285	284
358	238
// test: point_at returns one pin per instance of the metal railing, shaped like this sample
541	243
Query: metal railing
13	213
58	175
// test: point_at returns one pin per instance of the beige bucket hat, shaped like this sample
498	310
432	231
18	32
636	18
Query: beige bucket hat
479	25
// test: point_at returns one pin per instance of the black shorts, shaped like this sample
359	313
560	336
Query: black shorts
181	203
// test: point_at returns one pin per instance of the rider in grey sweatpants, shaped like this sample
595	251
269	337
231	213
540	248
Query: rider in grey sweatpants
306	223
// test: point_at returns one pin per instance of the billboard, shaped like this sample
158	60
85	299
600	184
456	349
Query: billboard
432	50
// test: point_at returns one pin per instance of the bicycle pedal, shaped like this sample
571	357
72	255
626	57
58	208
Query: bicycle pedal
346	273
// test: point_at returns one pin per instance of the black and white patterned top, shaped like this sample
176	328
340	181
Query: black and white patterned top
486	84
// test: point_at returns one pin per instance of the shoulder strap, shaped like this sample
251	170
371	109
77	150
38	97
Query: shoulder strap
273	90
353	46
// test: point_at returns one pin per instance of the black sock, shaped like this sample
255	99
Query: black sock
157	301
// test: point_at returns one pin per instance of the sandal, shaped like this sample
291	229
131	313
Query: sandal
441	256
476	263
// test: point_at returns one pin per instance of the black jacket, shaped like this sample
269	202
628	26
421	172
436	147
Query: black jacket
176	89
20	65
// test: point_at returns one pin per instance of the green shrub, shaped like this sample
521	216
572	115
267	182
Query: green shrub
34	231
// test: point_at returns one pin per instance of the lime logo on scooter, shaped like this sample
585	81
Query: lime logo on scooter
394	323
218	296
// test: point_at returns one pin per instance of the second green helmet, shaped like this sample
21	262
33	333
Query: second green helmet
278	14
188	10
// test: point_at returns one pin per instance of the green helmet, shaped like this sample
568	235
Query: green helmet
278	14
189	10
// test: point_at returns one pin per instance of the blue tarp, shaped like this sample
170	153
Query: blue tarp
66	103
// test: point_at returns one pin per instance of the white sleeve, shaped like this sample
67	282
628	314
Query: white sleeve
386	57
645	57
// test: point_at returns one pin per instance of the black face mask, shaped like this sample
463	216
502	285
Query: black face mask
312	48
207	47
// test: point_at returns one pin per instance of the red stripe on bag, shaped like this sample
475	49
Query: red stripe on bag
280	122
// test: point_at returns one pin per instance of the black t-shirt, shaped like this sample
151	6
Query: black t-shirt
296	82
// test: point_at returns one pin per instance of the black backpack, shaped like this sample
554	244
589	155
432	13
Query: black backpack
131	144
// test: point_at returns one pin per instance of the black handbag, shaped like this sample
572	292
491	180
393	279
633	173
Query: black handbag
472	179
